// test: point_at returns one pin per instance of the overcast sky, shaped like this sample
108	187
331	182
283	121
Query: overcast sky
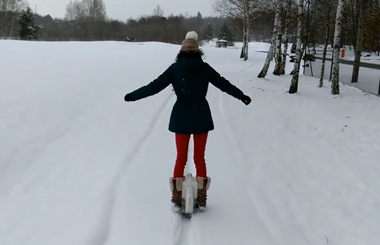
124	9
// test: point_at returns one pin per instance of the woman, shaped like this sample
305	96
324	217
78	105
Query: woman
191	114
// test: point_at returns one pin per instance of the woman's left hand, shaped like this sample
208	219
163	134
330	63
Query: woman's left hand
246	100
127	98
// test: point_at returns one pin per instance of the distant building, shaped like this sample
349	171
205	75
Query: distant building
221	43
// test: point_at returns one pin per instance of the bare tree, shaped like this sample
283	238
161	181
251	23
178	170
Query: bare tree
271	51
338	26
240	9
158	11
294	83
71	13
87	17
359	41
286	33
350	19
326	7
9	11
278	54
371	37
95	9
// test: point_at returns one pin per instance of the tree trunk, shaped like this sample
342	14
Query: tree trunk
243	48
294	83
359	42
327	36
242	52
246	43
246	26
338	26
264	71
286	40
11	31
278	53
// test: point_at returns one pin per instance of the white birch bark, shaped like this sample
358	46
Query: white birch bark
294	83
338	26
264	71
278	52
242	10
246	26
286	40
246	39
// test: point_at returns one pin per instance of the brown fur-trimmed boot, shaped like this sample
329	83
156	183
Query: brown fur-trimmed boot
203	186
176	187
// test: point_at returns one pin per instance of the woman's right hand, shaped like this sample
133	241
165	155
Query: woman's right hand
127	98
246	100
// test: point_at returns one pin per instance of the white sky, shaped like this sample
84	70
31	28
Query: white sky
124	9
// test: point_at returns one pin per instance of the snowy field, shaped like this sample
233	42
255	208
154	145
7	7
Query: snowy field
79	166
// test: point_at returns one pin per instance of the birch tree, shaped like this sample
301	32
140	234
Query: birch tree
278	52
270	54
338	26
240	9
246	27
95	9
88	16
359	41
286	40
158	11
9	10
71	13
326	7
294	82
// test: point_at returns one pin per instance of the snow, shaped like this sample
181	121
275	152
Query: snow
80	166
369	78
368	81
350	55
366	58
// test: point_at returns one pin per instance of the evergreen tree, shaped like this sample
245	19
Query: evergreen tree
209	32
28	28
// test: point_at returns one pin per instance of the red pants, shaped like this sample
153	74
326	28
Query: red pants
182	143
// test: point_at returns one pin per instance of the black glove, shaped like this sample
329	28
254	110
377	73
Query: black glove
246	100
127	98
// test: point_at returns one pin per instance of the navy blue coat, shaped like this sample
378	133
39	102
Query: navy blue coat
190	77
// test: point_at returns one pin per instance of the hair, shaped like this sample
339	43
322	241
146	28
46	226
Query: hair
189	54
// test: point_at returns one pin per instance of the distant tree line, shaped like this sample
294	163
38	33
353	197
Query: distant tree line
242	20
87	20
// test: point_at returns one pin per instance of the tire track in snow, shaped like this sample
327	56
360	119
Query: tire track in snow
185	233
180	234
103	229
241	156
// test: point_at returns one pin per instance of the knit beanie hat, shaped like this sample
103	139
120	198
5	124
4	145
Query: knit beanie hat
190	44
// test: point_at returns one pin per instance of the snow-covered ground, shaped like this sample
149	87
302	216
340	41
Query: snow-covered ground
368	81
349	54
366	57
369	78
79	166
